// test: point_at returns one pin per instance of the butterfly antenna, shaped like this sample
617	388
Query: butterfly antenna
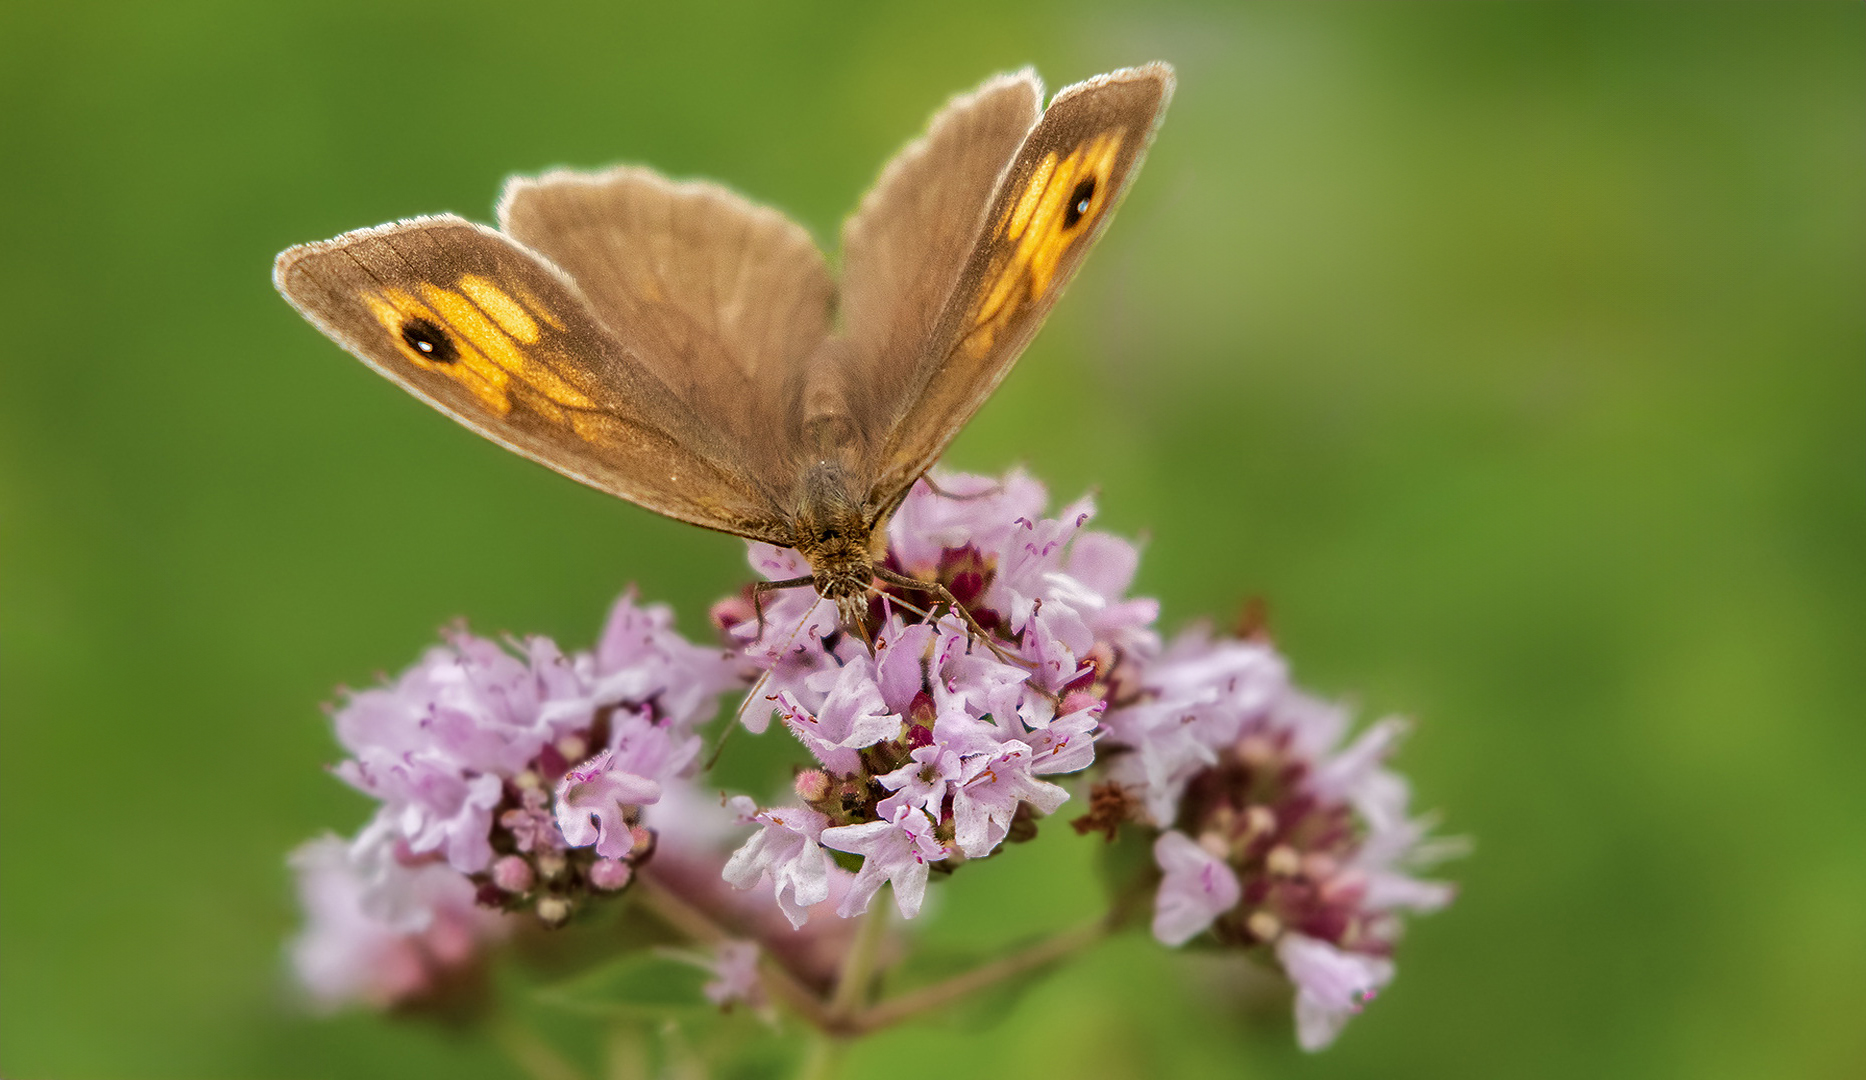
733	725
764	677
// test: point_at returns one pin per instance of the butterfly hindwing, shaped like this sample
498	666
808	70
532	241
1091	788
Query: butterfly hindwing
722	299
487	332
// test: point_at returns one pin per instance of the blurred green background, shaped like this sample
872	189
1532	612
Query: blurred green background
1517	353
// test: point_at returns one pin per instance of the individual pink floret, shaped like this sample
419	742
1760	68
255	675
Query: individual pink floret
594	801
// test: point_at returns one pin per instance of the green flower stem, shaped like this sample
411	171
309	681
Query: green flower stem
823	1059
858	966
847	1015
780	981
537	1059
939	994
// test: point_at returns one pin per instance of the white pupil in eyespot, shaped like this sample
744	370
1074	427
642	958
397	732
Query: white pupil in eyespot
425	346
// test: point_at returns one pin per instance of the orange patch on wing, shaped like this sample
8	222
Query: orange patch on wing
507	312
539	308
394	309
1041	226
466	316
1027	202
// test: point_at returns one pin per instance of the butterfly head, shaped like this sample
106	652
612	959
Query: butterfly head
831	531
837	548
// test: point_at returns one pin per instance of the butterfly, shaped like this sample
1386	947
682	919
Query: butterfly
681	347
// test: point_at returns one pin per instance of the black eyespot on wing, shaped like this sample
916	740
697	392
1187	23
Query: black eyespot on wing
430	341
1079	201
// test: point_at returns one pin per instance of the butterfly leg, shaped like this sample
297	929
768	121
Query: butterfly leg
757	691
860	627
971	627
952	602
927	479
896	601
759	589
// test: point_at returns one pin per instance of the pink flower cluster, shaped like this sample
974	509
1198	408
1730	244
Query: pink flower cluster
1274	835
934	749
514	778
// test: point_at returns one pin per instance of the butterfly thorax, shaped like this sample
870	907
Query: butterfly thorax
831	531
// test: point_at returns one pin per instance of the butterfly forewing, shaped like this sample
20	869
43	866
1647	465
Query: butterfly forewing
491	335
1051	204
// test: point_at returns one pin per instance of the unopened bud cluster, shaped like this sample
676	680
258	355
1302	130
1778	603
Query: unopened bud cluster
535	867
1272	835
1292	852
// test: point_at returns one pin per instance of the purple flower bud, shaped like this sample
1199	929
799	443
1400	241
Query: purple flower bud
513	874
811	784
610	874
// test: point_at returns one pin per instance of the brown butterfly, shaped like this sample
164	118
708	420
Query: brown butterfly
689	351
